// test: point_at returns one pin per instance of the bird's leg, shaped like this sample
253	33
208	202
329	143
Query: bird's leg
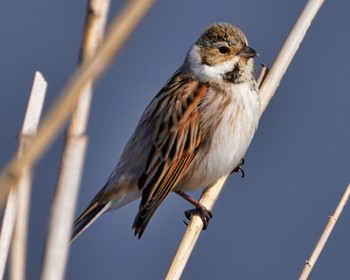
239	168
203	212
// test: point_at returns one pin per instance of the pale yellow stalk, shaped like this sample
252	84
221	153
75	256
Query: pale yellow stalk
309	265
73	155
15	221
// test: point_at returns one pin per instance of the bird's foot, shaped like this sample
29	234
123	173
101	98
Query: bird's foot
203	213
239	168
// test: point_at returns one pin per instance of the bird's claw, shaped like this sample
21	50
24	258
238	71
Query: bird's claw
239	168
203	213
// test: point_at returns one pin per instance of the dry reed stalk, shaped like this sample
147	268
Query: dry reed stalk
120	30
267	90
325	235
61	220
15	222
8	223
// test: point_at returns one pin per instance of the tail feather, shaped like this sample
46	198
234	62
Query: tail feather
94	211
111	197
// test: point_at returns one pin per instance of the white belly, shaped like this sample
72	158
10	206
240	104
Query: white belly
230	139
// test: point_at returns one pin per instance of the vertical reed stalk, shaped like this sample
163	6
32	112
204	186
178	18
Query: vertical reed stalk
72	161
15	221
8	223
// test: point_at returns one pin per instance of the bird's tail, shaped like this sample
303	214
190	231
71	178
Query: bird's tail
111	197
94	210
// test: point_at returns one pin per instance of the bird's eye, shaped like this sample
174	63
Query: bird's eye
223	50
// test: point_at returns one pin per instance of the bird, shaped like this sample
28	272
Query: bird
196	130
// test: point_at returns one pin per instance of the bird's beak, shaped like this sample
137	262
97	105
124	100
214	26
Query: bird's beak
248	52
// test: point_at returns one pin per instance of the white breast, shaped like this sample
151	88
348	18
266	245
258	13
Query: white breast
230	139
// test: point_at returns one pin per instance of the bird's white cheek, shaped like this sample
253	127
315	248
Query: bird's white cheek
209	72
217	71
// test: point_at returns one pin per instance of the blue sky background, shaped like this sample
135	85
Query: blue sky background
265	225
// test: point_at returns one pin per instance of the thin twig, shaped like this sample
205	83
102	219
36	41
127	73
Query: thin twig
57	244
267	90
17	207
325	235
90	70
262	75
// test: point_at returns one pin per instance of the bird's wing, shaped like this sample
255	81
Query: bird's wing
174	116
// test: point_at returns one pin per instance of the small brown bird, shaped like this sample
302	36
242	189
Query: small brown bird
195	130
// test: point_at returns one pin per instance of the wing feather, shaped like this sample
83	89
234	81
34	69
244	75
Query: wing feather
176	137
